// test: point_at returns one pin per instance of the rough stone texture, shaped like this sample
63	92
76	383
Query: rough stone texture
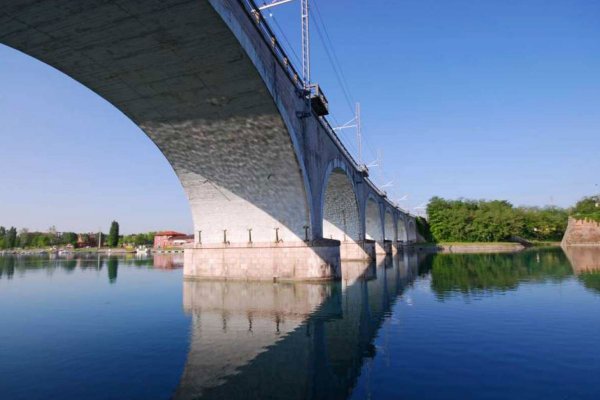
340	214
582	232
202	82
374	228
401	228
264	261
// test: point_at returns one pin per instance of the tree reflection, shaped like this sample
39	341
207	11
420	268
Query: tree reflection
113	265
7	267
486	273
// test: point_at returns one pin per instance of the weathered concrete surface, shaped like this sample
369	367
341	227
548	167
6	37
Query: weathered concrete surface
204	83
265	261
581	232
361	251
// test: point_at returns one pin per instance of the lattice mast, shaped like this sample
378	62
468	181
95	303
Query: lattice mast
305	44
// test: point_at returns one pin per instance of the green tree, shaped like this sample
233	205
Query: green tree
587	208
69	238
113	234
424	229
587	205
24	238
492	221
11	237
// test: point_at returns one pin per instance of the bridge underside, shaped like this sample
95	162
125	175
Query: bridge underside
197	78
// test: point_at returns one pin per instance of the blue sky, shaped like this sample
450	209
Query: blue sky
474	99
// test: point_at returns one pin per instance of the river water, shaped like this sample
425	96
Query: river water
416	326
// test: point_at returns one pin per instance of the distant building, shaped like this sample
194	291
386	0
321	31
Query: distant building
171	239
87	240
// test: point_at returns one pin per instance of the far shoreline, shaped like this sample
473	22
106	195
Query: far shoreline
479	247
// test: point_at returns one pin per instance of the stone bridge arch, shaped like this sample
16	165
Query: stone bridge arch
411	230
402	231
341	217
341	213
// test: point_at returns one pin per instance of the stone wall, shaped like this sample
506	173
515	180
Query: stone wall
582	232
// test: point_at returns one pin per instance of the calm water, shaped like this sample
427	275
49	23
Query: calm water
417	326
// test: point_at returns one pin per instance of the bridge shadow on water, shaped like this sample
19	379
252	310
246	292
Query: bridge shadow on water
288	340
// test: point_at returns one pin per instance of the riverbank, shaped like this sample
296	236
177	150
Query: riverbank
102	251
46	251
471	247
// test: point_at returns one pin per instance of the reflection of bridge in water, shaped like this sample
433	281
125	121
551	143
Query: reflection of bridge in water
288	340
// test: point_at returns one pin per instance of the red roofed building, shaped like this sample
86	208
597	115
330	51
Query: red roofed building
171	239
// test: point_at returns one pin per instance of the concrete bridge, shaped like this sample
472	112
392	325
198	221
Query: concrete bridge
273	192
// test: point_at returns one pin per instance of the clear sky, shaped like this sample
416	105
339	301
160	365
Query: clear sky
474	99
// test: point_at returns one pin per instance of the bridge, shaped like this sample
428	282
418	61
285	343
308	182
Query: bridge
273	192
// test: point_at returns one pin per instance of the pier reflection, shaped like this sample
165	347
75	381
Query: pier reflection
288	340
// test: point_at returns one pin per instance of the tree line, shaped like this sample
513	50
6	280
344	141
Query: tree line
587	208
11	238
492	221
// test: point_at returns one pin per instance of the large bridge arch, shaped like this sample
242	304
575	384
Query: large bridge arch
411	230
389	229
374	223
212	117
402	231
339	204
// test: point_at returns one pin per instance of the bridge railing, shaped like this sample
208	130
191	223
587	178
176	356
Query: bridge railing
253	12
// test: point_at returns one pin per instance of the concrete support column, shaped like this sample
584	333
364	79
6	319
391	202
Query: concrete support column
357	251
380	248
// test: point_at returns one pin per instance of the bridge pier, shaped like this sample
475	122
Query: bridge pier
380	248
387	247
291	261
357	251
